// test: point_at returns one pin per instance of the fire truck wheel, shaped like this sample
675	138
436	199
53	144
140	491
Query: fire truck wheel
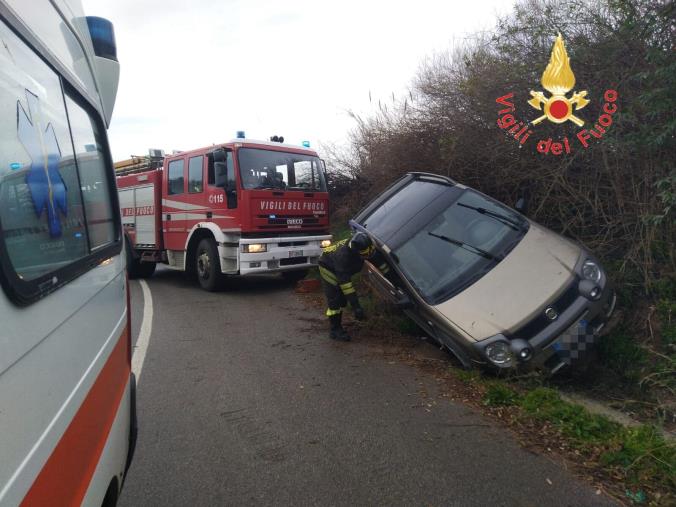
207	265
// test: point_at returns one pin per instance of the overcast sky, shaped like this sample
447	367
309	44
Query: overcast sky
193	73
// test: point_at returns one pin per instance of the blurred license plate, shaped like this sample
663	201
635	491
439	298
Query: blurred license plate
296	253
574	341
294	221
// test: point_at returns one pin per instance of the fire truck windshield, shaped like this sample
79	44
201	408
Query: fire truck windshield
261	169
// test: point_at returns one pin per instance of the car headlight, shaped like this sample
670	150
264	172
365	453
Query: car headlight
591	271
325	243
499	353
254	248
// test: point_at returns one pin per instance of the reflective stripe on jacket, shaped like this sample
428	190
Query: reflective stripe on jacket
338	264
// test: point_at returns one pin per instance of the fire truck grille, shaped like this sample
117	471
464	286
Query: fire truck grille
293	261
284	220
292	243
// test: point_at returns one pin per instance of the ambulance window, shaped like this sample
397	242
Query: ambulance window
176	177
93	176
195	174
41	212
57	201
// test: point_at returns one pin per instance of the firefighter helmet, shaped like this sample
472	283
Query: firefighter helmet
362	244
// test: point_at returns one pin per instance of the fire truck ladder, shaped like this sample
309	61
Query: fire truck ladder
138	164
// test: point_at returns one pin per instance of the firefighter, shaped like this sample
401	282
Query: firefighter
337	264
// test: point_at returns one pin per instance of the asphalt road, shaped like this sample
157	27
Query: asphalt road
244	401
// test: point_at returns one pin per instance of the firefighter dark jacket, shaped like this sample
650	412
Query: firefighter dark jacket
339	263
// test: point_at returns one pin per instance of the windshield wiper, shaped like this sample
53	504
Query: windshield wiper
509	222
469	248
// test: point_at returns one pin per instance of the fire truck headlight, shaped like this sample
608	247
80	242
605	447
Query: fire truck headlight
254	248
325	243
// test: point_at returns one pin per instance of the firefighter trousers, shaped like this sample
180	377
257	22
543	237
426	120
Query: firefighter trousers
335	298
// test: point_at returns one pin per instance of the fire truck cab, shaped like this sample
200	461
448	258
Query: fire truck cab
239	208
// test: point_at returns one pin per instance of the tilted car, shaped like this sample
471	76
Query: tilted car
483	280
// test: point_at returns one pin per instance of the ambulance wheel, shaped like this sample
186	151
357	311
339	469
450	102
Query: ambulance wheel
138	269
135	267
295	275
144	269
208	266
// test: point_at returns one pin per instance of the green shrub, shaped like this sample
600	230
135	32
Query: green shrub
645	456
405	325
665	288
666	312
620	352
467	376
499	395
573	420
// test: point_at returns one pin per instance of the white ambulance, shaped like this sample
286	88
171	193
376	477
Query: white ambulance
67	409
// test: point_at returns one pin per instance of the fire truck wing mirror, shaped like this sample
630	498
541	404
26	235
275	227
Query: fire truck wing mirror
221	174
219	155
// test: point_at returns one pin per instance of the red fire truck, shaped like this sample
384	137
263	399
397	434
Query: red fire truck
239	208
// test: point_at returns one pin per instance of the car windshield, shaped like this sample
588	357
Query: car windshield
459	245
260	169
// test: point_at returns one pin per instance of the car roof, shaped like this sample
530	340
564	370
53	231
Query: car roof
396	187
403	208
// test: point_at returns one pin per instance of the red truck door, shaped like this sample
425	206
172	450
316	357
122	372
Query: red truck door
191	197
174	204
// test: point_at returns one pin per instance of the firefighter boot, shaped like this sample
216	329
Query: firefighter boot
337	332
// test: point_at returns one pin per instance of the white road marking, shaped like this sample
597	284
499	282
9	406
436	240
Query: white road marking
141	346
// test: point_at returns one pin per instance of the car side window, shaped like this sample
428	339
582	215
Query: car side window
176	177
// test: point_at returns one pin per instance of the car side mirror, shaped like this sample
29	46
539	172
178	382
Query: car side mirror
521	205
221	174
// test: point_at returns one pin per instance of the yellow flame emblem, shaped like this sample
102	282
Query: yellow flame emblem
558	79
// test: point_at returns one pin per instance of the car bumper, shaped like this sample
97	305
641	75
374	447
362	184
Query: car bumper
581	334
565	340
